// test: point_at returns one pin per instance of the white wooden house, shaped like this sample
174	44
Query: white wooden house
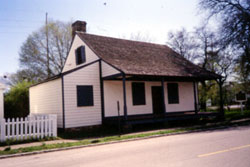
150	82
2	87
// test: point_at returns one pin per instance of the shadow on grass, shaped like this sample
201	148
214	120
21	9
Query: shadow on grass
30	140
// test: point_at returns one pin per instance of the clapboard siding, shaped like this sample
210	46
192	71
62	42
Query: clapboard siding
71	60
1	102
46	98
140	109
108	70
186	98
113	93
85	115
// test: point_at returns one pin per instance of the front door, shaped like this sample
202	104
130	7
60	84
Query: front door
157	100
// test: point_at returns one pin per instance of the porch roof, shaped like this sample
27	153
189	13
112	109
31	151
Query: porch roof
144	59
130	77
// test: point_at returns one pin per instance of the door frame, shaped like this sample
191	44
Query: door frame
162	112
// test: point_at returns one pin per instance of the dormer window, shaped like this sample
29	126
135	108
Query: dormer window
80	55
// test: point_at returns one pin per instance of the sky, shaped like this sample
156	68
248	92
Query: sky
115	18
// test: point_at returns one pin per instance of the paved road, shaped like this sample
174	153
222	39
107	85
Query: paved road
220	148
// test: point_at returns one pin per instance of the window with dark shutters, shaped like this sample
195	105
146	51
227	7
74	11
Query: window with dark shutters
80	55
85	95
173	93
138	93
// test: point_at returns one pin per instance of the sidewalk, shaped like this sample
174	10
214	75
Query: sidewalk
37	143
76	140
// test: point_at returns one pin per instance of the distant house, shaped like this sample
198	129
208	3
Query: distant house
149	81
2	87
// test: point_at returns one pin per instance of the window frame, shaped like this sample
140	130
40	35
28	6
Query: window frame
136	96
80	97
80	53
173	98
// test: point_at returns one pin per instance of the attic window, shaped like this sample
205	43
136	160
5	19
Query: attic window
173	93
80	55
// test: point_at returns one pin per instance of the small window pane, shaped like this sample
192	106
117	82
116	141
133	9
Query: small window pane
85	96
138	93
80	55
173	93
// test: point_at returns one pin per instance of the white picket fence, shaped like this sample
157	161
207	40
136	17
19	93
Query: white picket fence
34	126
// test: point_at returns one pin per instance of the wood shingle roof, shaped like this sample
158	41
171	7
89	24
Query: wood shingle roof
141	58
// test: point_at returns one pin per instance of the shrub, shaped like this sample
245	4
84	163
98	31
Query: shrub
16	101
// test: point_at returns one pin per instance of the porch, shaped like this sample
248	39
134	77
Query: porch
157	106
151	118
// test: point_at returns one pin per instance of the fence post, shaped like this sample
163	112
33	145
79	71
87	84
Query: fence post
30	127
8	128
50	126
17	128
46	125
2	134
54	130
21	126
33	127
25	128
13	128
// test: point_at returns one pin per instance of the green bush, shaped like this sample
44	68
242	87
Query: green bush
16	100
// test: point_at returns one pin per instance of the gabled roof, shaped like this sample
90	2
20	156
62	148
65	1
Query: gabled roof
141	58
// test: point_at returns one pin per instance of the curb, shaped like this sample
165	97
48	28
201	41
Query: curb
89	145
113	142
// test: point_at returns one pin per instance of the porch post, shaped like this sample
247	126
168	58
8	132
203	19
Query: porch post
124	96
221	99
163	95
195	98
102	90
63	104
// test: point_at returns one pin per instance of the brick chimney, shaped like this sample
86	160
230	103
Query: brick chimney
78	26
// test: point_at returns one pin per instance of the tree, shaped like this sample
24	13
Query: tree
215	58
208	47
16	101
243	69
234	17
25	75
33	54
183	43
203	47
139	36
234	28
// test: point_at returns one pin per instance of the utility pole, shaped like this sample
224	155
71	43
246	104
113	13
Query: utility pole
47	45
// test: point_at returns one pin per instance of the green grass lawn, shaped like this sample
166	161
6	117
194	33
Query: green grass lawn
233	114
44	146
236	114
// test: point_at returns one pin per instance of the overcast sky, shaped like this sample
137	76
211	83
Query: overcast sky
116	18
